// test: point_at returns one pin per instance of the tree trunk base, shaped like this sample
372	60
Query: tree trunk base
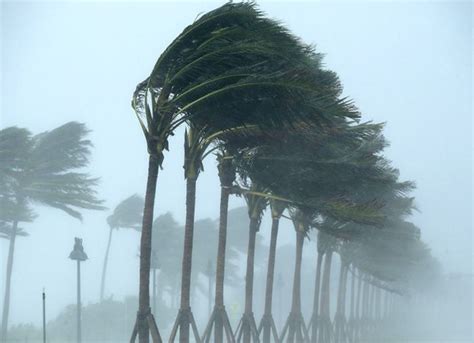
219	315
185	317
148	320
295	329
268	328
341	332
247	329
325	329
313	326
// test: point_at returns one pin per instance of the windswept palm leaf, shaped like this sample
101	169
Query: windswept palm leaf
127	214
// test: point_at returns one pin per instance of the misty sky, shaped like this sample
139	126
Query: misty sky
406	64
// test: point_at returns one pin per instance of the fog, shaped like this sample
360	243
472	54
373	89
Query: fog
408	64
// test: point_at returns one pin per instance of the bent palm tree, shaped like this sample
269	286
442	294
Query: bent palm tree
42	169
127	214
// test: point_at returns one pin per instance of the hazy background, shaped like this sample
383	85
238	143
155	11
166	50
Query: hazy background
405	63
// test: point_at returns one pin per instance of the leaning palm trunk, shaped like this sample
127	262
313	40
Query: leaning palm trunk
219	318
357	311
145	252
325	328
372	308
365	307
350	326
247	328
337	318
220	266
267	324
185	317
187	257
249	324
315	316
340	330
6	299
256	204
104	268
295	326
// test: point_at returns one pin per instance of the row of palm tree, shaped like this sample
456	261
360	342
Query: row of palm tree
254	94
249	90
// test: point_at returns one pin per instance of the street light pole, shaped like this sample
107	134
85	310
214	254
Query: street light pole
78	255
44	316
79	328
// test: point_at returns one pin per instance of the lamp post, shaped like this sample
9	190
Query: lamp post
77	254
44	316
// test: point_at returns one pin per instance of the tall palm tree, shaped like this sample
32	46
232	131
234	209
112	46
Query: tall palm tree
42	169
127	214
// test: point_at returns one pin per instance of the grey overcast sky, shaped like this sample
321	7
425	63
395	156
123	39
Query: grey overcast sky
405	63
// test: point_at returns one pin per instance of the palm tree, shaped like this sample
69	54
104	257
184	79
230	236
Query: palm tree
127	214
42	169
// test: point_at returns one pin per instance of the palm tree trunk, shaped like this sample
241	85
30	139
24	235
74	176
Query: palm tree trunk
371	302
343	330
145	251
338	318
365	306
358	307
317	286
377	304
352	293
270	276
6	299
295	314
296	301
220	265
104	268
352	306
325	330
253	228
187	258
